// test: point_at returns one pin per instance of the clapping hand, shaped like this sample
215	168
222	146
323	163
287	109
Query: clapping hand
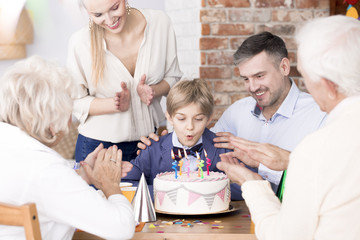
146	93
122	99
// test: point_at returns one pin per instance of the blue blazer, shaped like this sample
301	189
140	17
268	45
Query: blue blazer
157	158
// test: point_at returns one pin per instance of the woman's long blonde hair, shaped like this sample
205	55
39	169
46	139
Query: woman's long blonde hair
97	53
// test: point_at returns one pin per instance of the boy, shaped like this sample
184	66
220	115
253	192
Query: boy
189	109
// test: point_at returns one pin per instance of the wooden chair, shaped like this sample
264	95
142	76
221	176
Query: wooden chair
24	215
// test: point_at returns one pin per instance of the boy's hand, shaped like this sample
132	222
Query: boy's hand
145	141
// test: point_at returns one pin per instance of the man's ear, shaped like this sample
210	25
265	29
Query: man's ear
169	118
285	66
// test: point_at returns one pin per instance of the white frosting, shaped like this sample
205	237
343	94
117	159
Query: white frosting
193	194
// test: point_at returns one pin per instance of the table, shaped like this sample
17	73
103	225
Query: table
232	225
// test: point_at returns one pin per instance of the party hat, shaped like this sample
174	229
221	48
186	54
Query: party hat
142	203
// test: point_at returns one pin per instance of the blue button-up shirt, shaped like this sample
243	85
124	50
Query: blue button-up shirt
298	116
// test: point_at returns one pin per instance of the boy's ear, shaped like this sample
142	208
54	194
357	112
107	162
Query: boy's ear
169	119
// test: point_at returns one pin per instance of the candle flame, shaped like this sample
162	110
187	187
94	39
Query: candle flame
172	155
179	153
205	153
197	155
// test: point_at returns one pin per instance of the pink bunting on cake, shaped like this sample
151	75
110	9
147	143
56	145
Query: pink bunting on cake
160	196
193	197
221	194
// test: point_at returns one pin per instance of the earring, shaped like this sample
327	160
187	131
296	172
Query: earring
91	23
128	8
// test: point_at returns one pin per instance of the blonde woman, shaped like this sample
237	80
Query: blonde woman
123	62
35	112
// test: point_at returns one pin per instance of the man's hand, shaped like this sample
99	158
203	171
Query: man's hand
122	99
145	141
222	140
146	93
236	171
253	153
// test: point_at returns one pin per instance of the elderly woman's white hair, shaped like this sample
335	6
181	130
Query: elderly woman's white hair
336	56
35	95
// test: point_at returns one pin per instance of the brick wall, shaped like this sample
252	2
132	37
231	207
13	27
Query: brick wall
223	25
226	23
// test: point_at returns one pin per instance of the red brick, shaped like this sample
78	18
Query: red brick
236	72
215	72
278	29
238	96
294	72
236	42
205	29
273	3
229	85
232	29
292	15
218	112
290	43
229	3
221	99
213	43
306	3
292	57
203	58
212	15
220	58
249	15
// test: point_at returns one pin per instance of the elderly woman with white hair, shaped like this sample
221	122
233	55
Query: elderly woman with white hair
322	194
35	112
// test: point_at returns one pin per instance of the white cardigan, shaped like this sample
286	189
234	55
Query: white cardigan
322	193
32	172
157	58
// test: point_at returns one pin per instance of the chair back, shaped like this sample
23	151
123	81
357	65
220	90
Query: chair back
24	215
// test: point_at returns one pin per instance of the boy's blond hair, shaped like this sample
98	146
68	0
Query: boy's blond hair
186	92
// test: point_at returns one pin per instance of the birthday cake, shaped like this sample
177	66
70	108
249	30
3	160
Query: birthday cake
191	194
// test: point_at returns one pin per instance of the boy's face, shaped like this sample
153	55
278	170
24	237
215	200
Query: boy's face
189	123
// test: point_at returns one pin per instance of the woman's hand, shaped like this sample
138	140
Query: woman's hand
236	171
107	171
122	99
146	93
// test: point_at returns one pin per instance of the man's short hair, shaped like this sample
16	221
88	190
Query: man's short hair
273	45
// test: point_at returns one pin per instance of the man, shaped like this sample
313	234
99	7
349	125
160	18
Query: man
277	115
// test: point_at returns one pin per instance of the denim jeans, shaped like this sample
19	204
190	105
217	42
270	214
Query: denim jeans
85	145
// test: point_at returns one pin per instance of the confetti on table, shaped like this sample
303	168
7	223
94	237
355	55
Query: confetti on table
169	223
215	225
162	226
152	226
178	222
218	227
244	216
156	225
206	223
164	222
196	221
160	231
217	221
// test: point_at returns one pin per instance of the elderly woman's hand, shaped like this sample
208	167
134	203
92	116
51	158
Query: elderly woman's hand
107	171
236	171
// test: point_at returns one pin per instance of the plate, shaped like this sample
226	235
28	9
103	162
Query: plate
231	209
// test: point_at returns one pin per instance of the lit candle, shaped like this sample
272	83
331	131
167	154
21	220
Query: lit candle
187	164
180	162
174	164
200	165
208	162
